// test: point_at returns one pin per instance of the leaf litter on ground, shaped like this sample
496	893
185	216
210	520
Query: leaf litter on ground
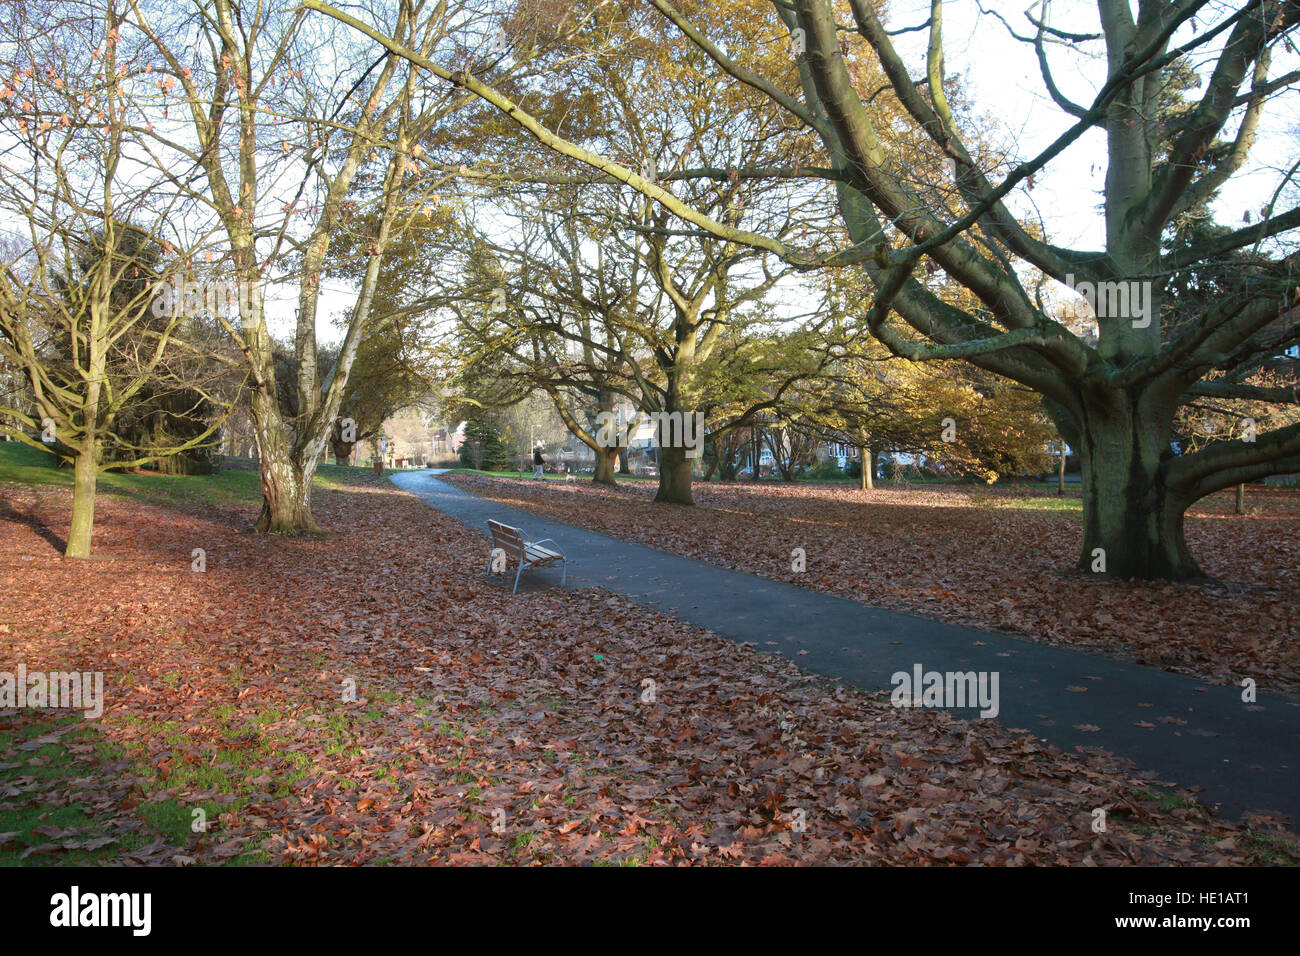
492	728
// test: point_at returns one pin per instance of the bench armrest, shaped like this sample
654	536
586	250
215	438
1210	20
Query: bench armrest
543	541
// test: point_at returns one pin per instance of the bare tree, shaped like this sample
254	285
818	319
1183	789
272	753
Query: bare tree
83	314
283	148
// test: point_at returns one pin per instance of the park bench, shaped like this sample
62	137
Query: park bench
526	554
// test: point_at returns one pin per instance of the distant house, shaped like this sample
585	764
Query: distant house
839	452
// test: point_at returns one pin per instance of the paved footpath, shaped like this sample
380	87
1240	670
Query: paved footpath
1247	757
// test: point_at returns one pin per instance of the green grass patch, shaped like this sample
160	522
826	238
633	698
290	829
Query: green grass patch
341	739
1163	799
1063	505
1272	848
32	810
21	464
231	758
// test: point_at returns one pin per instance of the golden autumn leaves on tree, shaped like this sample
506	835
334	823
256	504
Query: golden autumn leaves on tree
965	421
1115	400
603	300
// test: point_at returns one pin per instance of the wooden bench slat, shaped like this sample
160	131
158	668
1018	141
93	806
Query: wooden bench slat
520	552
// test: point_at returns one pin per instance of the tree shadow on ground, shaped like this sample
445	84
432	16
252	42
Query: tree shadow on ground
29	518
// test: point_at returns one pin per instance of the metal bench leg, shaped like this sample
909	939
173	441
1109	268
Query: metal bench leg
564	571
517	573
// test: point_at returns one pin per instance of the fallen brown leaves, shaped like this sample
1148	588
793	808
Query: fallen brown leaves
493	728
952	554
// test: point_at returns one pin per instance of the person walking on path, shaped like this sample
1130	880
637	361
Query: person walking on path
538	461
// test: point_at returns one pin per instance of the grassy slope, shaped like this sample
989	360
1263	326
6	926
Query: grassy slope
24	465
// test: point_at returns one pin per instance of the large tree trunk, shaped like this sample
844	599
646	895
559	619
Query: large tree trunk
287	472
606	460
867	478
86	467
286	498
86	476
623	468
1132	522
601	440
342	450
674	477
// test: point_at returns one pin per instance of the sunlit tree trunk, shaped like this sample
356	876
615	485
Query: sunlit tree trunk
607	452
286	474
606	462
674	477
86	467
86	476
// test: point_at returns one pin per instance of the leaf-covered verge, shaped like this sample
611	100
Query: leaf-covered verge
488	728
999	559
